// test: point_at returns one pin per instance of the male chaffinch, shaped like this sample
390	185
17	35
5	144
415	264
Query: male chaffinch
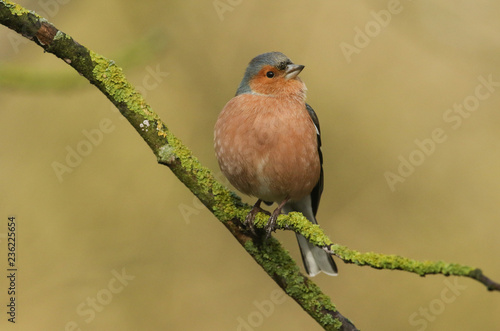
267	141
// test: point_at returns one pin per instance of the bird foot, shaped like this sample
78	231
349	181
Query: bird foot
271	224
249	220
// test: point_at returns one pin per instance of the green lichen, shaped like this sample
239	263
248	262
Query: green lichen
298	223
221	201
61	35
166	153
395	262
118	88
17	9
188	161
276	261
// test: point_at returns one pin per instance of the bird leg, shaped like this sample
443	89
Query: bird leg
271	224
251	216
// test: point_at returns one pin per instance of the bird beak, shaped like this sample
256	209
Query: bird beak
292	70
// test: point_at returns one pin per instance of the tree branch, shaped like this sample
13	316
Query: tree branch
296	222
149	46
224	204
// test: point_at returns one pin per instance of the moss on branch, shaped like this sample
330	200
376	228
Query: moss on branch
224	204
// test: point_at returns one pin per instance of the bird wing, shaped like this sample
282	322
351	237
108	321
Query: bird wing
318	189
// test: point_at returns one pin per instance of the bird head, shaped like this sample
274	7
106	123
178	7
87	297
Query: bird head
272	74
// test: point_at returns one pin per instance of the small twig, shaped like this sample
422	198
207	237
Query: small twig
298	223
490	285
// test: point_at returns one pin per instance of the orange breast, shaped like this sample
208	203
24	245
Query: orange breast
267	147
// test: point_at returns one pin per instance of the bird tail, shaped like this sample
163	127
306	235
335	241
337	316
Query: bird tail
315	259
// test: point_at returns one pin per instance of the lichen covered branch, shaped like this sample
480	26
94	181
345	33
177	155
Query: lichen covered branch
225	205
297	223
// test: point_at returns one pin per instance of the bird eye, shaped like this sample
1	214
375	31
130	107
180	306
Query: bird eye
270	74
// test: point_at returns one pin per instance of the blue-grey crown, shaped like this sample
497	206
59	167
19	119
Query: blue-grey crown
275	59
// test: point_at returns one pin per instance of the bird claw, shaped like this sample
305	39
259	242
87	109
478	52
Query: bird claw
271	225
249	219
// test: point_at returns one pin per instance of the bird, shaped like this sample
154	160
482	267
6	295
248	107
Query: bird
268	145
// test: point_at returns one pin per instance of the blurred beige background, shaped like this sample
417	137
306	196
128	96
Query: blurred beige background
119	213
